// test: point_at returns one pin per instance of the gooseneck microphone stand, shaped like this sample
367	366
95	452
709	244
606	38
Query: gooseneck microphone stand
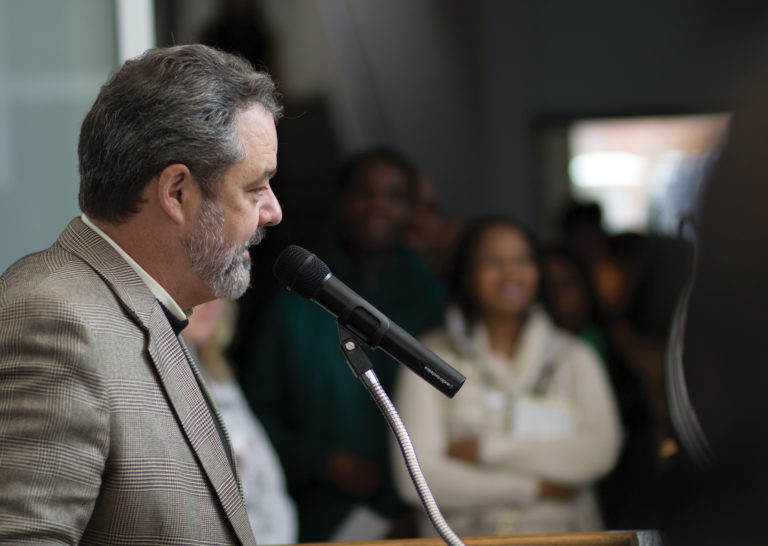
351	348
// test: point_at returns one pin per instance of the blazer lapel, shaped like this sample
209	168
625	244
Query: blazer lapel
192	408
176	372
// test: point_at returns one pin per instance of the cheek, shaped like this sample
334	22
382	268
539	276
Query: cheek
242	228
248	216
533	280
484	281
399	209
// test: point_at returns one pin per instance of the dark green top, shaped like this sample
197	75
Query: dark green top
594	337
304	393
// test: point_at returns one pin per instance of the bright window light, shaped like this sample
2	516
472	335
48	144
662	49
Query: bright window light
645	172
598	169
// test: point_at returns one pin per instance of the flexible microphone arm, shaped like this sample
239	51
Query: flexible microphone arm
363	370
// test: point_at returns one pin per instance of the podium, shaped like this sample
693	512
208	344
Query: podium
604	538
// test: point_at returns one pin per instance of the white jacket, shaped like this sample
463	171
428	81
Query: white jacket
570	434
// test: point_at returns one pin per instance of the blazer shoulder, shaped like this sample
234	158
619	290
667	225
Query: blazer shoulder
80	268
54	273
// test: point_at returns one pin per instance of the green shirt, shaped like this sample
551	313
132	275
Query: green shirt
304	393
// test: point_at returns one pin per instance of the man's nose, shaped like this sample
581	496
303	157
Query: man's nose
271	212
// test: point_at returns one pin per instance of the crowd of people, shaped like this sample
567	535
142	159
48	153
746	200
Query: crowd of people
560	425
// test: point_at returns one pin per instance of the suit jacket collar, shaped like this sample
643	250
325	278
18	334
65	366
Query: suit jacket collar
89	246
187	393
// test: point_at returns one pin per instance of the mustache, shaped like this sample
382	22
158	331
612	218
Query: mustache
258	237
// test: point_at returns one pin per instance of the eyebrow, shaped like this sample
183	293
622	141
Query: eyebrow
265	177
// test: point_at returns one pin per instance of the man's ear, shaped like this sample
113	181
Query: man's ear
176	191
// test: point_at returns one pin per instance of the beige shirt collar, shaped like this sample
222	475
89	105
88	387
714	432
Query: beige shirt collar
157	290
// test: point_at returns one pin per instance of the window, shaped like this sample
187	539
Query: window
645	172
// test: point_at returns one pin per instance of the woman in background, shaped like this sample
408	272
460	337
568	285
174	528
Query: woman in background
534	426
270	510
570	298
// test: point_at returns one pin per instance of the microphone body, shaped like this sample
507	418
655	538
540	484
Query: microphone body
304	273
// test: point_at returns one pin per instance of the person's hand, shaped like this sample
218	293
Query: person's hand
555	491
464	449
354	475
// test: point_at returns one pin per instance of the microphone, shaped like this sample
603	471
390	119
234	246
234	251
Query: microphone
304	273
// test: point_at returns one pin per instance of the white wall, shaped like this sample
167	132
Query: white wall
54	56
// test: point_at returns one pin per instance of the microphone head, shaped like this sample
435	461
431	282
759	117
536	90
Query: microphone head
301	271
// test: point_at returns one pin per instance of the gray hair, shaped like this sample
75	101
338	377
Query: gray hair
169	105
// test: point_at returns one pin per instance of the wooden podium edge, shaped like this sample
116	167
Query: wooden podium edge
603	538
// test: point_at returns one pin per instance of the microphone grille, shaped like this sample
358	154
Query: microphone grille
300	271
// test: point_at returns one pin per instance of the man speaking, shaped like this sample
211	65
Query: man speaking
107	433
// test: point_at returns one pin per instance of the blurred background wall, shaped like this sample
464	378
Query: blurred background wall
462	86
54	56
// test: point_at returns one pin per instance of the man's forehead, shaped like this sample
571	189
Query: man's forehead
258	137
255	114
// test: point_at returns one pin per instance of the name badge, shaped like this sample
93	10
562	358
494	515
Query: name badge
536	416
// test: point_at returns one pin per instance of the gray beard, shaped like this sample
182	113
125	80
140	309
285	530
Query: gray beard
219	264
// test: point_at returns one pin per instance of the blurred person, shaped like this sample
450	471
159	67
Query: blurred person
270	509
625	493
325	426
569	297
718	349
637	278
108	433
581	229
535	425
430	232
655	269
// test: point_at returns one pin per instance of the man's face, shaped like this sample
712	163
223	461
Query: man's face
227	225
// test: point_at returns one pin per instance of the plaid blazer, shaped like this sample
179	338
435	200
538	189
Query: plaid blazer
105	432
